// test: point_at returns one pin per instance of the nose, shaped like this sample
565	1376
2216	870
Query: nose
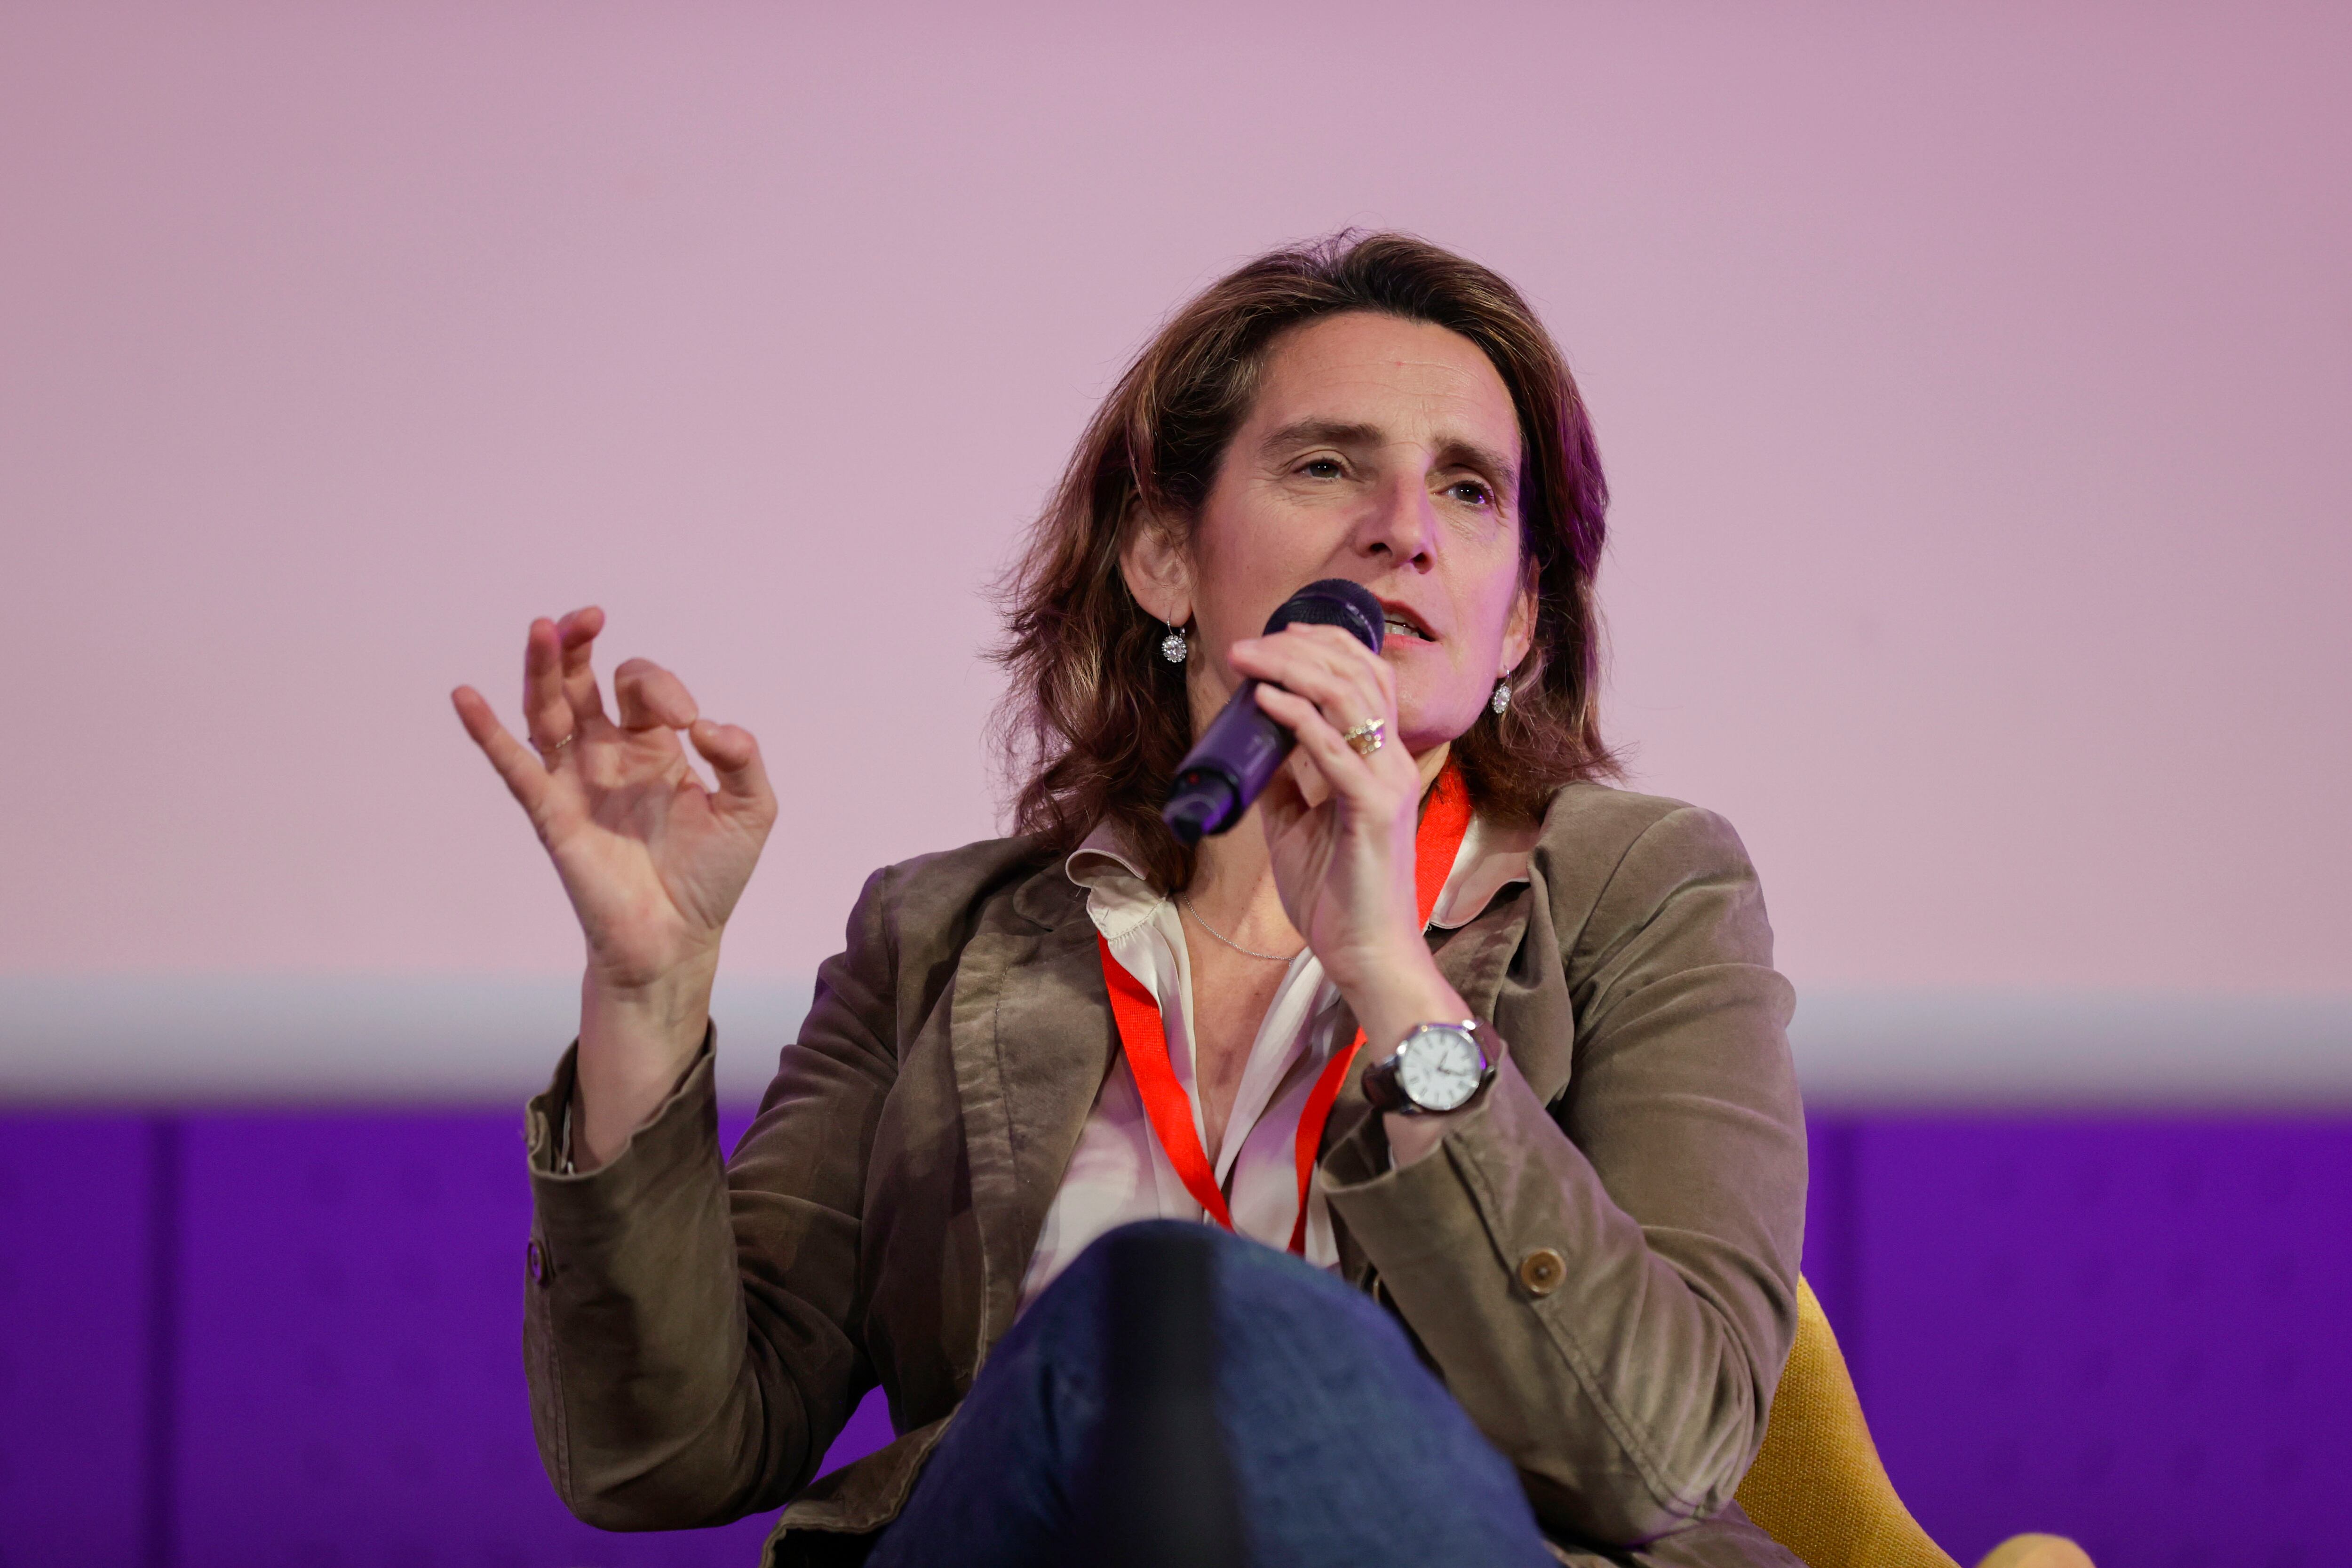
1397	522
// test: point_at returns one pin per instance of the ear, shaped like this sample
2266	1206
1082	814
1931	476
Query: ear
1157	570
1519	631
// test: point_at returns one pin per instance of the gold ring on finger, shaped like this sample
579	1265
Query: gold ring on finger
1368	737
550	748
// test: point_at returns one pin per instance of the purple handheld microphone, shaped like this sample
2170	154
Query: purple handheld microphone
1239	751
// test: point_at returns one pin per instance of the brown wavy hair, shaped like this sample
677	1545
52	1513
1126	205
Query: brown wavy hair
1093	721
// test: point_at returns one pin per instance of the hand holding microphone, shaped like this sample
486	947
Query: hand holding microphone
1340	820
1238	752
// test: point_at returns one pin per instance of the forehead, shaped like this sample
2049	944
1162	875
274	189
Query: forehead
1413	379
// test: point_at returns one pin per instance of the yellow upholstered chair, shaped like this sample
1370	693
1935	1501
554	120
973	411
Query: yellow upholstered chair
1817	1487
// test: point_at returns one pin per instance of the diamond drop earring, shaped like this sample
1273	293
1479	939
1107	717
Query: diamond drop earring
1502	698
1173	647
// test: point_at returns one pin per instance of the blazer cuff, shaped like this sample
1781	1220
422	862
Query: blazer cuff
632	1307
1400	1214
547	1119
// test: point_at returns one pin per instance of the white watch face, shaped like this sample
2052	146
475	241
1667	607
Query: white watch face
1439	1068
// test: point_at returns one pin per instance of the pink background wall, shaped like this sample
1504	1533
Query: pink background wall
1973	387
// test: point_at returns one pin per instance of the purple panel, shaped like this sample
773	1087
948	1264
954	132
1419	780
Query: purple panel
868	1428
2129	1332
2125	1331
732	1121
77	1196
1830	1224
352	1388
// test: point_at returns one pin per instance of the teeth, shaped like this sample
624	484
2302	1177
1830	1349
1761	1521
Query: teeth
1405	629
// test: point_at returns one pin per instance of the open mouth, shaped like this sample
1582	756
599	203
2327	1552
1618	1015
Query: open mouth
1402	623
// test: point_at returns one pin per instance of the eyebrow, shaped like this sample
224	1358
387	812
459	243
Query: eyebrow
1452	453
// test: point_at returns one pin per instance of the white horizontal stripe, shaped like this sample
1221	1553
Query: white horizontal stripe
454	1039
2119	1048
374	1039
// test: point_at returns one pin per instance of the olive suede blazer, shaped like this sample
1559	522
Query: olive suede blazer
698	1332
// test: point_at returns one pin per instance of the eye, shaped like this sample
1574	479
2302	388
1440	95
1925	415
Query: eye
1471	491
1321	468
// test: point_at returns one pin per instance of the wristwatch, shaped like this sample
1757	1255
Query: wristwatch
1436	1069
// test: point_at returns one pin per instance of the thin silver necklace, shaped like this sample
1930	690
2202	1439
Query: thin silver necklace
1194	909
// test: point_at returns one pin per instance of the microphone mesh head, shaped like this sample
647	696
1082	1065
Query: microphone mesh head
1334	602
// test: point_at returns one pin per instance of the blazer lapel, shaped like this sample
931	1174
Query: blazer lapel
1475	958
1031	1033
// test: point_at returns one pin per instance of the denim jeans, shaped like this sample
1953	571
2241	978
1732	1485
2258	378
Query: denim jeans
1339	1447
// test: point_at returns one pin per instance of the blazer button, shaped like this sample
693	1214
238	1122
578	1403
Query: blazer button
1542	1270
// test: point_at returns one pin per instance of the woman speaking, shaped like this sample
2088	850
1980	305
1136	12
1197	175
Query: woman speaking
1467	1072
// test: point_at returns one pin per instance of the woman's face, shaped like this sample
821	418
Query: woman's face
1385	451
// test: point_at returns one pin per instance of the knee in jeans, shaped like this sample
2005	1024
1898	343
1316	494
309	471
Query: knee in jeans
1074	1307
1265	1301
1249	1286
1081	1286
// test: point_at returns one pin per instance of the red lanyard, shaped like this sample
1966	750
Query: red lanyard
1143	1037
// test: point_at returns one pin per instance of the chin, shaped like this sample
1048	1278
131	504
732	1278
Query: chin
1422	728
